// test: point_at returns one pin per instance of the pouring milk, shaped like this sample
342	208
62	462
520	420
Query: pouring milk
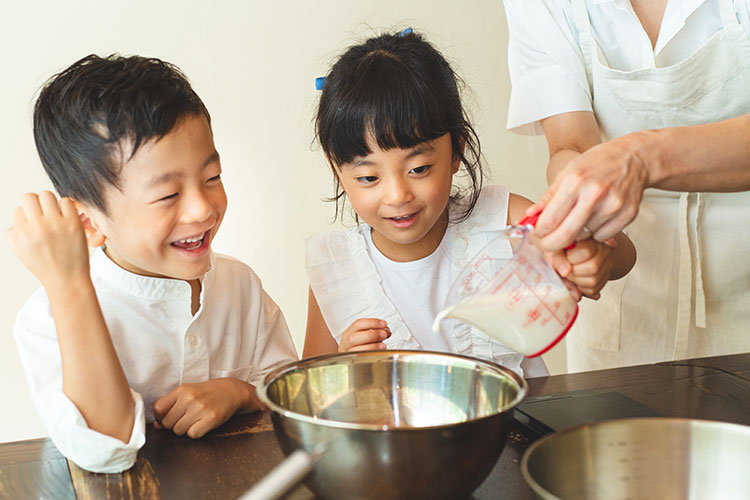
519	300
523	323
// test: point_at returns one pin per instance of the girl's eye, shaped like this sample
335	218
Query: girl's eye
367	179
421	169
214	178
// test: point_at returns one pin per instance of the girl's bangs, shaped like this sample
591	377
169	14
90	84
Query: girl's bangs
389	107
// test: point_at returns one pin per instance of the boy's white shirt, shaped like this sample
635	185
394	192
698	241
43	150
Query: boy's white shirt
238	332
348	285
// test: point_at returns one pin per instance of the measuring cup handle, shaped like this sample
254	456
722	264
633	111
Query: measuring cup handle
531	220
285	475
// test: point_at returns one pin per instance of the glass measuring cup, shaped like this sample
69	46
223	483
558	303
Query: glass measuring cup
519	300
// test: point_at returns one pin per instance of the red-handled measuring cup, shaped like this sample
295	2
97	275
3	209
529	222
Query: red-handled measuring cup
514	296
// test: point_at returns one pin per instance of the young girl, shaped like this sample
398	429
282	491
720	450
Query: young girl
391	124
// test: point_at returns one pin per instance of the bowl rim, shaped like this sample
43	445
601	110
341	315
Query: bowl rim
545	494
282	370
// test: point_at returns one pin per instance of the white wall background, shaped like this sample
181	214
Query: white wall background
254	64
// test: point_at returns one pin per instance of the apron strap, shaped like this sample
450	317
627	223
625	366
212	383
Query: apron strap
684	283
700	295
585	39
689	285
728	14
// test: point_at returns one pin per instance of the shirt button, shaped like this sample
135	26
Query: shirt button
194	340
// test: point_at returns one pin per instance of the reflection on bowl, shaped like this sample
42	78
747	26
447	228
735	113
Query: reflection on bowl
396	424
659	458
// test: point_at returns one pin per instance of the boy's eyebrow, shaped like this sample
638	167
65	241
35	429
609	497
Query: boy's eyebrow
166	177
416	151
214	157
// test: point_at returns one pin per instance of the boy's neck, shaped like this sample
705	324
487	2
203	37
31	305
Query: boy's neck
195	302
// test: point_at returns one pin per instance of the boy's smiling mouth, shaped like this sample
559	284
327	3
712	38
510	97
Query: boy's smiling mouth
191	243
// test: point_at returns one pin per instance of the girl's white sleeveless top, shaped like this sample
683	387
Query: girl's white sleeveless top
347	285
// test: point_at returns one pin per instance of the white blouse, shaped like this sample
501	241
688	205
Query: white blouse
238	332
547	70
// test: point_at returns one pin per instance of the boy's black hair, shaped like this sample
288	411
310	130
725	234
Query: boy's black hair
92	118
400	90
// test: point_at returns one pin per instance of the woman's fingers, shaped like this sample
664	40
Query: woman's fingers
601	190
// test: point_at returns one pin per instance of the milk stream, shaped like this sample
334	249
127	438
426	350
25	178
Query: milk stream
526	324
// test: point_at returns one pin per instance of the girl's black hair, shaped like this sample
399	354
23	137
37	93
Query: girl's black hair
400	90
84	114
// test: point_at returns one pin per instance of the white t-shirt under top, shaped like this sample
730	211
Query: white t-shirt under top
429	279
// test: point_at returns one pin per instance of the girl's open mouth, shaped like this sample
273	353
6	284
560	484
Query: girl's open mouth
403	220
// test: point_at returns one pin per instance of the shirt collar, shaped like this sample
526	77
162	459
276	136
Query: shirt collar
685	7
146	287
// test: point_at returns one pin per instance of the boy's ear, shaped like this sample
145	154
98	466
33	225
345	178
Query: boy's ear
94	237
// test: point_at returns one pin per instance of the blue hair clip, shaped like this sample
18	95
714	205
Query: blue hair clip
406	32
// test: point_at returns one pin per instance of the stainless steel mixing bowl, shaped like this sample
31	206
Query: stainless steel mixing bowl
394	424
644	458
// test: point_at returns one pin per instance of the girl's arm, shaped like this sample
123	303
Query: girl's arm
318	338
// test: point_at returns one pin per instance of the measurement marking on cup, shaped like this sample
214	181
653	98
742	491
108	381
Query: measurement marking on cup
551	311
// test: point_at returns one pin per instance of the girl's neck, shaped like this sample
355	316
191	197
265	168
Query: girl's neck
412	251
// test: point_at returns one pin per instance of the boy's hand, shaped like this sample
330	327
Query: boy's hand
365	334
587	265
195	409
48	237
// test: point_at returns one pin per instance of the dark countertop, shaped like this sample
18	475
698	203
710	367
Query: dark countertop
229	460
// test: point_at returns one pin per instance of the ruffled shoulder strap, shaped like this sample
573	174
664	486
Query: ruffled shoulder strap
347	285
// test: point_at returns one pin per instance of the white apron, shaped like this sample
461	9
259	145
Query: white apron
689	292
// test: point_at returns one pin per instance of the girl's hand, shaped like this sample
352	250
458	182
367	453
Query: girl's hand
365	334
48	237
195	409
588	265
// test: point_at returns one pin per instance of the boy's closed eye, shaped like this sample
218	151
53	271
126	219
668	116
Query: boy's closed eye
167	198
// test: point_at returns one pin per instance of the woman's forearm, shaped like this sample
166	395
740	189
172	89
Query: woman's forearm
711	157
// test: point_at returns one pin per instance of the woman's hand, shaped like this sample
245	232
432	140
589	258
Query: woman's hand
600	190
